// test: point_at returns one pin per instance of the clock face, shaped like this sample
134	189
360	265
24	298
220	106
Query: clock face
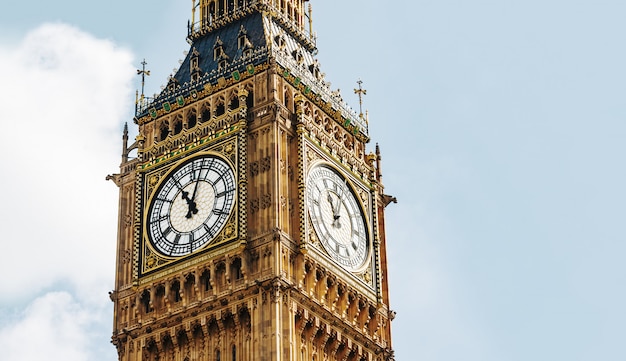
191	206
337	217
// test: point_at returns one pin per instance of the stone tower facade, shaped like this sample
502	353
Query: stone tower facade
251	218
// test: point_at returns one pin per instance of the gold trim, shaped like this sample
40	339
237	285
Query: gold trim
367	216
151	260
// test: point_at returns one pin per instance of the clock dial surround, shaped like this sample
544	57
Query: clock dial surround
337	217
191	206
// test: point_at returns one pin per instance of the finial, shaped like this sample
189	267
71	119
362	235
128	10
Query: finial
360	92
194	5
143	72
125	144
311	21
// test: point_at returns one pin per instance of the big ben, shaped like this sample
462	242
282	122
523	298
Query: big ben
251	214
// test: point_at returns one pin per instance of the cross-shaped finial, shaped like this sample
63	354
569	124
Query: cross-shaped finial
360	92
143	72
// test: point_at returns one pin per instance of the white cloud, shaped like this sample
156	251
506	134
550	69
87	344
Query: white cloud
64	96
53	327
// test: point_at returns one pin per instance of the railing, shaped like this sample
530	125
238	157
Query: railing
258	56
185	89
320	88
217	20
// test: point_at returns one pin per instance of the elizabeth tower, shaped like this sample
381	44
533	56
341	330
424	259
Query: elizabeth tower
251	216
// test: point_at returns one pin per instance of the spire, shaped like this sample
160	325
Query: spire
125	144
210	15
361	92
139	101
386	198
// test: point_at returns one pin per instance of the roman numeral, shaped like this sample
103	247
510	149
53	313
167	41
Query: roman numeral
222	194
208	230
220	212
167	231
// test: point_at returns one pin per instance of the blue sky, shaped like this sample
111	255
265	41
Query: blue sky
501	125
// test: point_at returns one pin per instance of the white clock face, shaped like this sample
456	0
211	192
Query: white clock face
337	217
191	206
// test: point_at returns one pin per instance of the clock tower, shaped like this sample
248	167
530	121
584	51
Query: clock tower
251	215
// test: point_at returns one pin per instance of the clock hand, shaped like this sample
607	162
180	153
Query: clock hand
195	188
335	209
329	198
190	203
343	191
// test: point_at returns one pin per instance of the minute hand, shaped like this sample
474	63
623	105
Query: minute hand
339	196
195	188
333	208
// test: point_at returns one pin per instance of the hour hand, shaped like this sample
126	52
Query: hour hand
329	198
335	209
192	209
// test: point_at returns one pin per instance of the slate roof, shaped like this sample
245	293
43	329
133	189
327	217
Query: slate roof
228	35
268	38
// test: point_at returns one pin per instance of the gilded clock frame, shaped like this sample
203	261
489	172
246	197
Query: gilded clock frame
363	196
152	263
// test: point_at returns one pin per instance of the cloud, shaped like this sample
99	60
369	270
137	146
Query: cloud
53	325
64	96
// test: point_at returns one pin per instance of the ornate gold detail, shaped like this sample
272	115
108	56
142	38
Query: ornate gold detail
311	155
151	261
154	180
229	230
229	148
313	237
367	276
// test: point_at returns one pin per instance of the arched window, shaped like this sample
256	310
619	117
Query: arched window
234	103
178	126
191	120
288	101
206	114
250	100
236	272
221	6
217	355
164	131
205	279
145	301
176	291
234	353
220	110
211	12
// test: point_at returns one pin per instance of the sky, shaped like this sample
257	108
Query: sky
501	125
